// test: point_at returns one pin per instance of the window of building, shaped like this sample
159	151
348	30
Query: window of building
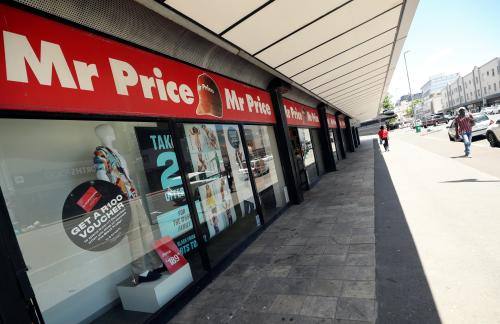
100	197
495	87
492	72
219	184
489	86
265	160
485	92
487	73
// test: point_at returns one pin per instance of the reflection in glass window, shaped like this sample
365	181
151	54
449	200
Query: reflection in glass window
96	206
219	184
266	167
308	154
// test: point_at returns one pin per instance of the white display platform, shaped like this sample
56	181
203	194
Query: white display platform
148	297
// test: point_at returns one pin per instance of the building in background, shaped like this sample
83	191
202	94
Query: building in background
479	88
431	92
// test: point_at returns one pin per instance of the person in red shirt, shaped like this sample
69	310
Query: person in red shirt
383	135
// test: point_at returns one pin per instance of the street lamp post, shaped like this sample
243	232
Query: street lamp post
409	86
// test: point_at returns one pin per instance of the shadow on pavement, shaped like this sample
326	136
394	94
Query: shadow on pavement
468	180
403	293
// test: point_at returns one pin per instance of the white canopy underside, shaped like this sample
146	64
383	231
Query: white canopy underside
343	51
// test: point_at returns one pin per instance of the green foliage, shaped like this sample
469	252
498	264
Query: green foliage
392	121
387	103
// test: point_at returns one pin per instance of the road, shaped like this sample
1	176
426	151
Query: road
450	205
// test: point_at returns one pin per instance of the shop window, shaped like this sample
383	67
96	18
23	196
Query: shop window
308	154
333	144
266	168
219	184
98	208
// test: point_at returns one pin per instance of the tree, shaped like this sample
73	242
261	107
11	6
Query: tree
387	103
411	107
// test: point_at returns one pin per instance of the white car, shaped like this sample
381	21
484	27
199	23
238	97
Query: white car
481	120
493	134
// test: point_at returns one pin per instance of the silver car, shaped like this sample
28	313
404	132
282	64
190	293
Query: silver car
493	134
481	120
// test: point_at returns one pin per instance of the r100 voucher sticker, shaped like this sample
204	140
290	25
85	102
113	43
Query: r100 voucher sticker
96	215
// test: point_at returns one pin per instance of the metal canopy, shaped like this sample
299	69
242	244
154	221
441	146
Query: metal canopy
342	51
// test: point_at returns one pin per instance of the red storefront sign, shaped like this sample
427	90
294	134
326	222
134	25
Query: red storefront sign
342	122
300	115
169	254
330	119
49	66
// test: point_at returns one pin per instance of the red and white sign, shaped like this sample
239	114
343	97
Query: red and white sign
49	66
330	119
342	122
300	115
169	254
89	199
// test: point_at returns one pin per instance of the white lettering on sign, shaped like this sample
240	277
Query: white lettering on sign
126	76
254	105
18	53
293	113
312	117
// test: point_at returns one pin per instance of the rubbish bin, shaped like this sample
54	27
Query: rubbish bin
418	128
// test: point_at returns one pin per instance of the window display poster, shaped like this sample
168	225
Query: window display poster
238	163
161	169
307	146
217	204
204	149
177	223
96	215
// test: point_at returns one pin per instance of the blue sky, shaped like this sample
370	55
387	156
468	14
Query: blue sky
447	36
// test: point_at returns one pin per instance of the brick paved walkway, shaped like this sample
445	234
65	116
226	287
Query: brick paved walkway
314	264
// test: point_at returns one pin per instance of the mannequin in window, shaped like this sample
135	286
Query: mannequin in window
112	167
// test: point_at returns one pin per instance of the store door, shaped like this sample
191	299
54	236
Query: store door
299	158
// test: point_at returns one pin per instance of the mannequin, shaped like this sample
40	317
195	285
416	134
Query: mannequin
112	167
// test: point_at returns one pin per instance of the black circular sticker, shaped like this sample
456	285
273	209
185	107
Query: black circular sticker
234	139
96	215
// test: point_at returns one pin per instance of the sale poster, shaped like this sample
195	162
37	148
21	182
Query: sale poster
238	164
217	204
166	191
169	254
204	149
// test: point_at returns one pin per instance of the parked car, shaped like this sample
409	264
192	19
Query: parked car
481	120
493	134
491	110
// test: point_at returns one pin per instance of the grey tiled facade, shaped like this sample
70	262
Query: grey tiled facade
314	264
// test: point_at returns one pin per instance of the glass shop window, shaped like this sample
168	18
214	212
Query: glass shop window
100	214
219	184
266	168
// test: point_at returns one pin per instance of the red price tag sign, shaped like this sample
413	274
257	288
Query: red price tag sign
89	199
169	254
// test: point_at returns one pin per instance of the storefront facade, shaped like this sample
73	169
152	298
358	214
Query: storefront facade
125	174
304	124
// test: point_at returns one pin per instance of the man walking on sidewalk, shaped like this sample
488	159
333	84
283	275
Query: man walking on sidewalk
463	127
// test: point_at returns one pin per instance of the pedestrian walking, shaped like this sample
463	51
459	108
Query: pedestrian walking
463	127
383	135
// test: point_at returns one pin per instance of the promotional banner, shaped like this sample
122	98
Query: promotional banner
49	66
330	119
342	122
300	115
96	215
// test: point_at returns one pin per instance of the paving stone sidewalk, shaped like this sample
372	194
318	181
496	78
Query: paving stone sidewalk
314	264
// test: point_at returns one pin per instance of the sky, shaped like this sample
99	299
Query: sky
447	36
